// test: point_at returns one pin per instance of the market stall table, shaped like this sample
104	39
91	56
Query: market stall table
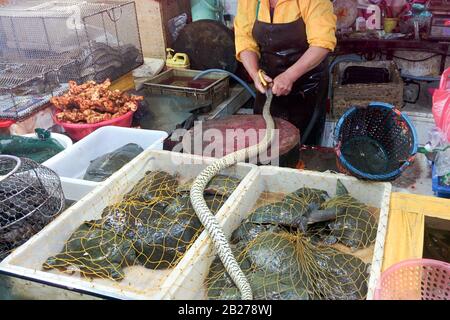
365	46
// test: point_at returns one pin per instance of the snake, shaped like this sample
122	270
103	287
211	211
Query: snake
206	217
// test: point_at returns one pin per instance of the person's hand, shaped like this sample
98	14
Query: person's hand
282	85
259	86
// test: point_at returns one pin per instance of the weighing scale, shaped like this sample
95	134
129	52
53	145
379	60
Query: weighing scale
440	22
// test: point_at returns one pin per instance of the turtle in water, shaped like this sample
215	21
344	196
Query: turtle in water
291	209
95	252
351	222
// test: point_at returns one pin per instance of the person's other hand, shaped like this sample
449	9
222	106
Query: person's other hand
259	86
282	85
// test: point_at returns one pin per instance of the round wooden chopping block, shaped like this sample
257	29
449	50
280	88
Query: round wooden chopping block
221	137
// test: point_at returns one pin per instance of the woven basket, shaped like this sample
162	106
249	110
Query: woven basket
346	96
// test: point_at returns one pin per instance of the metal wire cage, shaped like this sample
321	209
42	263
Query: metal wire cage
375	143
43	45
30	197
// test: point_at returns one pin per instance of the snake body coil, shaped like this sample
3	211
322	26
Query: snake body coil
209	220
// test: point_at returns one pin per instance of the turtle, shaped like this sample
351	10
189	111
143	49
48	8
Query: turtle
128	217
273	274
339	276
248	231
95	252
103	167
351	222
155	186
222	185
160	243
288	212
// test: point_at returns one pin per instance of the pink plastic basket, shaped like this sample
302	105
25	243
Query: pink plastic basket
418	279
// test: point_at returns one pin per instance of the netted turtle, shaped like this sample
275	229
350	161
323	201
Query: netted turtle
248	231
220	185
128	217
339	276
270	264
156	186
95	252
160	243
353	223
291	209
334	275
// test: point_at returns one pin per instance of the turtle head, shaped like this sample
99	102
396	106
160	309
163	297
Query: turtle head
341	190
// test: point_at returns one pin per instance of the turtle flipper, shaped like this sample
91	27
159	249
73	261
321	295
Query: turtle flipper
321	215
341	190
330	240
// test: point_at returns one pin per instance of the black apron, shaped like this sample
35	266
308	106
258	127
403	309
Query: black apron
281	45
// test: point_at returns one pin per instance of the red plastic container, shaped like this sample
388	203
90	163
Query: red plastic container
6	123
416	279
78	131
4	126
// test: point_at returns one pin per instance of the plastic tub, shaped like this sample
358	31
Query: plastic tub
100	142
187	280
416	279
4	126
139	282
438	189
78	131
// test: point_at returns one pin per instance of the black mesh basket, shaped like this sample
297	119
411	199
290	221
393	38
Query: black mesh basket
376	143
31	196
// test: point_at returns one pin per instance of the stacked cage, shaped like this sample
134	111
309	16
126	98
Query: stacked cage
45	45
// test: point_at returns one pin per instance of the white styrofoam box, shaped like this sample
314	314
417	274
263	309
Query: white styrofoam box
72	163
74	190
139	282
187	279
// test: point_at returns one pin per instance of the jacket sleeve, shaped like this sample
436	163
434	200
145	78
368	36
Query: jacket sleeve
243	27
320	23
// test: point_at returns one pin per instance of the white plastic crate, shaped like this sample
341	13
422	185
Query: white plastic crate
187	279
72	163
139	282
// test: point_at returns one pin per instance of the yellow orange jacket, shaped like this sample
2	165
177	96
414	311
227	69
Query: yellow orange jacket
318	16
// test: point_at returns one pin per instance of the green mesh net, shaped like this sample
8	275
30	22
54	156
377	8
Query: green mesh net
300	246
153	226
38	150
